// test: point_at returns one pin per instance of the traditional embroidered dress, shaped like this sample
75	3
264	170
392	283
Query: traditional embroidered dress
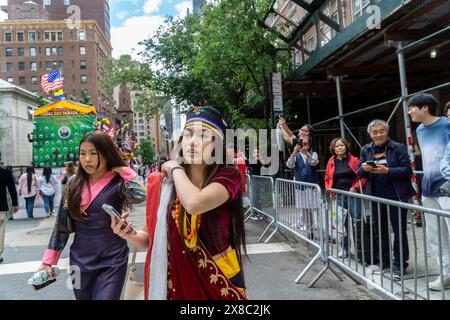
192	274
100	256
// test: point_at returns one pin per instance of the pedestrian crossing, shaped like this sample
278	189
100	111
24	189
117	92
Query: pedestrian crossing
63	264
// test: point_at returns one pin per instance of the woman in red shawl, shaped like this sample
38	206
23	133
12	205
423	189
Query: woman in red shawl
205	223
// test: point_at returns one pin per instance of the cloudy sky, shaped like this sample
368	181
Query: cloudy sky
134	20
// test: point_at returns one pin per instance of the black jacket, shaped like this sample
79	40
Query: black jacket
400	169
7	181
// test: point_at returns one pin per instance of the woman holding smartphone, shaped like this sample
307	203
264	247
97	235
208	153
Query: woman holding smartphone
205	221
98	256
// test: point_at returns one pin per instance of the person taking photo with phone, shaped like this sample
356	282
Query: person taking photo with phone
386	165
304	161
99	256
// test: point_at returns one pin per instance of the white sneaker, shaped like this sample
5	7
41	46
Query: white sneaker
437	286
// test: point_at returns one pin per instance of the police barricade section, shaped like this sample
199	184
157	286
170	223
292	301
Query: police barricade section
374	241
299	210
247	202
263	202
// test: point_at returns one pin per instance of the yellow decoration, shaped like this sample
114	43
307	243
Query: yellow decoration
65	104
229	264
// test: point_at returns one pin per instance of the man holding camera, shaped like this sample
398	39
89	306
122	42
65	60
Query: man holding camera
433	135
386	165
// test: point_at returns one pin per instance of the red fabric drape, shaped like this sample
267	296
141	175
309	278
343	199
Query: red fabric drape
153	192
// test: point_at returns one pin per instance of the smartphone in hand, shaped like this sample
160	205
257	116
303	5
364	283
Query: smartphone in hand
113	212
372	163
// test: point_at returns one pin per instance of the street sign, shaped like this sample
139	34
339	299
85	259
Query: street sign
277	94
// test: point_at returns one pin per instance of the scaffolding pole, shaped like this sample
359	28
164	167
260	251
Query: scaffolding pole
407	121
447	84
308	108
341	108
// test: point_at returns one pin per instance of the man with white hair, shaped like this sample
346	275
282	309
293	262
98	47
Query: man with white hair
387	166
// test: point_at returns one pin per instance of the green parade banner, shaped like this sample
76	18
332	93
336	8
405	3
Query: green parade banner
58	130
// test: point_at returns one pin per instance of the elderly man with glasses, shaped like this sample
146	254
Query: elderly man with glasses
386	165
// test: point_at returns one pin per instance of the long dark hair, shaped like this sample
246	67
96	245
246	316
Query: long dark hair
47	173
210	220
30	172
106	148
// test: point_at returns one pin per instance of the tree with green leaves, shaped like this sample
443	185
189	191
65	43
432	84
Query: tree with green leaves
85	97
41	100
138	77
146	152
224	57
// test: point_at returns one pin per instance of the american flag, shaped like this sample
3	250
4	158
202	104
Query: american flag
128	141
51	81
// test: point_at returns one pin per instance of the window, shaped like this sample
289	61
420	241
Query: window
47	2
54	51
358	7
67	2
55	65
83	79
32	36
9	67
61	65
8	37
20	36
47	51
53	36
21	66
21	52
60	36
82	35
60	51
33	66
32	52
47	36
82	51
10	80
48	65
9	52
22	81
34	80
311	45
83	64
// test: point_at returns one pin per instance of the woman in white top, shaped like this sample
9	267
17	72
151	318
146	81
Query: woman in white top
28	187
47	190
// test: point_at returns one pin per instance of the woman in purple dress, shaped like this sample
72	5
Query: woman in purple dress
98	257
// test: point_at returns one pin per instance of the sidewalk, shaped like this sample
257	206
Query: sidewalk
270	271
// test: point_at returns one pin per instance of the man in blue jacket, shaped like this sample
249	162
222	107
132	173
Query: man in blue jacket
387	166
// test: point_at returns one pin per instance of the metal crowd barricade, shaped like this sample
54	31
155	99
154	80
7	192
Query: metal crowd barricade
248	207
370	240
299	210
263	202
